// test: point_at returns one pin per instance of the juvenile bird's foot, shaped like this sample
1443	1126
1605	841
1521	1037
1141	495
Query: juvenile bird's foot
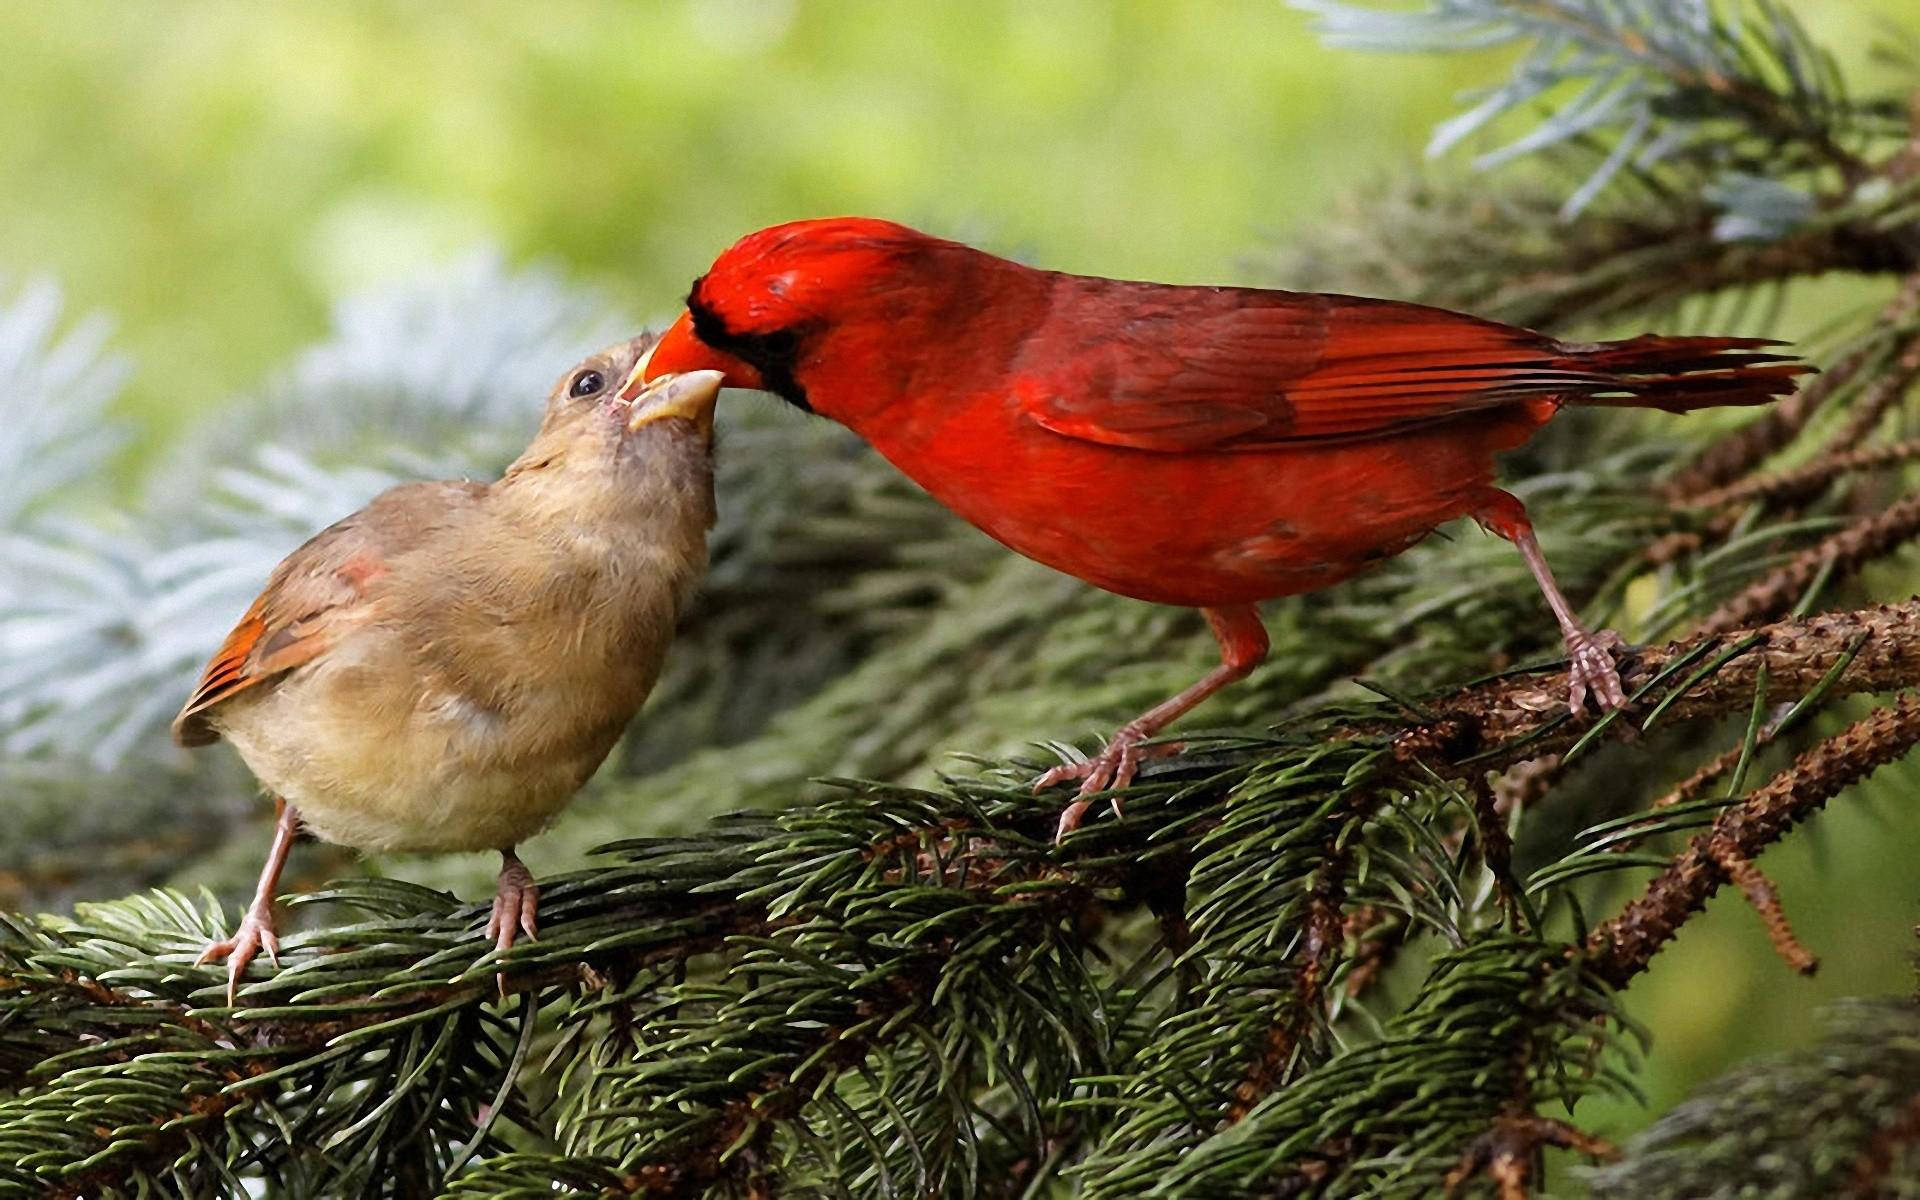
516	904
516	907
255	934
1591	670
1113	767
256	931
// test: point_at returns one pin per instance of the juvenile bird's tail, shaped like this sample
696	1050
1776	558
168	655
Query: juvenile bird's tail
1678	374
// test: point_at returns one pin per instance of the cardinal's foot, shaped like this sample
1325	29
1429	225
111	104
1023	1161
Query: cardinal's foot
1591	670
254	935
1113	767
516	904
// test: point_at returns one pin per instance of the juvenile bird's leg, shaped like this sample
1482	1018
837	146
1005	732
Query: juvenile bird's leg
1590	665
256	928
516	904
1243	643
516	908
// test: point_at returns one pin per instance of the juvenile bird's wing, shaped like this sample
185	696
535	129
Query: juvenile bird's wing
328	586
1180	369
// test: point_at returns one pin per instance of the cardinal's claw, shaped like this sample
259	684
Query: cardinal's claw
1591	669
1070	819
1113	768
254	935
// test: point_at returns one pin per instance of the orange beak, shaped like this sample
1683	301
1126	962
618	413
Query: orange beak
679	351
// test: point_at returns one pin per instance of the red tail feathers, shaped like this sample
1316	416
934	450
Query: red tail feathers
1680	374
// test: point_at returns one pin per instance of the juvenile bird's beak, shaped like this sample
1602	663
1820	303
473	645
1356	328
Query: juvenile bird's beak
680	349
689	396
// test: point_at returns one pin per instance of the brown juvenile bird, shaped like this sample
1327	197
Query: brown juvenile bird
444	669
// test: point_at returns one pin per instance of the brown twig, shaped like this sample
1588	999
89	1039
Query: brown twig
1496	844
1320	947
1839	555
1374	949
1882	394
1745	448
1622	947
1871	1169
1805	482
1506	1152
1672	547
1695	785
1493	725
1765	899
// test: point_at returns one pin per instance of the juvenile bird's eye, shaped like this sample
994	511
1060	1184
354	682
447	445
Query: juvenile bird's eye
586	383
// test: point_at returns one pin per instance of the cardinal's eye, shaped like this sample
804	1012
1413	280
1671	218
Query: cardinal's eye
586	383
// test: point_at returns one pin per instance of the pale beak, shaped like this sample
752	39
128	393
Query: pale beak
688	397
637	378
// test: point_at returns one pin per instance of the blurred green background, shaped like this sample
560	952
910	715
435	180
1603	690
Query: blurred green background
213	176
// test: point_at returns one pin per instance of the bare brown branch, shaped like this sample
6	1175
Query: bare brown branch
1870	1171
1694	786
1506	1153
1319	951
1621	948
1493	725
1882	394
1805	482
1739	452
1838	556
1765	899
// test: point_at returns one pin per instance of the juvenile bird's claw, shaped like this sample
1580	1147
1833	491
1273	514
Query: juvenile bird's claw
1591	670
516	910
254	935
1114	767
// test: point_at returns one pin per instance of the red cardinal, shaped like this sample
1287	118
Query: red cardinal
1201	446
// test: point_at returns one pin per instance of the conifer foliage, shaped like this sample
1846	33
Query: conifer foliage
1357	942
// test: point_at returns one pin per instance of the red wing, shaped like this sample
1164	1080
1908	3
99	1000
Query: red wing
316	594
1190	368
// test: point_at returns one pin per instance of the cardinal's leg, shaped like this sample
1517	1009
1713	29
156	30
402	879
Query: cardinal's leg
256	928
1243	643
1590	666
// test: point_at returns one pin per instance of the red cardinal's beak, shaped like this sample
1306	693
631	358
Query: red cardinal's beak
679	351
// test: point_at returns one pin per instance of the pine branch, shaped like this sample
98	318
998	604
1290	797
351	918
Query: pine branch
886	935
1376	1119
1803	483
125	1076
885	989
55	391
1634	258
1837	1119
1623	946
1688	149
1727	459
1661	80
